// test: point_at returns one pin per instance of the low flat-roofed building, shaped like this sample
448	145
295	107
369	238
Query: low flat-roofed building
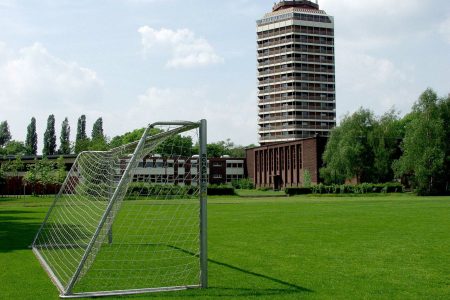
283	165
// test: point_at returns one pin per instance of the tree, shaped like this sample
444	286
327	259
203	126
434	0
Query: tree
384	140
64	147
41	172
81	140
31	140
97	129
60	173
182	144
2	177
31	176
130	137
5	135
348	153
50	137
444	108
98	142
424	147
14	148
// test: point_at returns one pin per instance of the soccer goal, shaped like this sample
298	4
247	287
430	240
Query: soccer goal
133	219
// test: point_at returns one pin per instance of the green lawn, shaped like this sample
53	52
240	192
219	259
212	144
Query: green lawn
282	248
260	193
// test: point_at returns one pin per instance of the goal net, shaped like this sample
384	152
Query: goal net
132	219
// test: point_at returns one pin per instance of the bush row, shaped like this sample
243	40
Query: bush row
362	188
221	190
145	189
244	183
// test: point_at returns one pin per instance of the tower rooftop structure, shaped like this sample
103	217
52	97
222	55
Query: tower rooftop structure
295	3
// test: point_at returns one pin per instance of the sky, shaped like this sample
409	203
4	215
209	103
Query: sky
134	62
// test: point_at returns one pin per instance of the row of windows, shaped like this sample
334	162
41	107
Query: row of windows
229	178
297	85
292	38
299	105
299	95
298	29
295	16
296	48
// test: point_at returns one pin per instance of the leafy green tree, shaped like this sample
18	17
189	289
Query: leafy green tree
14	148
2	178
424	146
13	167
59	175
216	149
98	141
348	153
97	129
16	166
444	108
384	140
126	138
182	146
41	172
130	137
31	176
81	141
50	137
5	135
64	147
31	140
307	178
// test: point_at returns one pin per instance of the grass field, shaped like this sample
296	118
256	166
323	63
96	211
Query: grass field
383	247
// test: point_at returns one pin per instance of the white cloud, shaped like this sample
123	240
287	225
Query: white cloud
7	3
231	116
375	83
34	82
374	7
444	29
187	50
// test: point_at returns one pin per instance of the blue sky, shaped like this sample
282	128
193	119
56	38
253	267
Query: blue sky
134	62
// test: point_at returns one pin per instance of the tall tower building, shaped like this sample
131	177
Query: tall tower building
296	72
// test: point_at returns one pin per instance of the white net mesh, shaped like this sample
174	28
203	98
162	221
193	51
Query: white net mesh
128	218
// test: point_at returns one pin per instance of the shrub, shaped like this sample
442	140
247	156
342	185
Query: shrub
298	191
244	183
221	190
362	188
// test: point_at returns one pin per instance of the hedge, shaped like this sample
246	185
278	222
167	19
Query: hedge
144	189
221	190
363	188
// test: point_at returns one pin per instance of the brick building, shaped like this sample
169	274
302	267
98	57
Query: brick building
283	165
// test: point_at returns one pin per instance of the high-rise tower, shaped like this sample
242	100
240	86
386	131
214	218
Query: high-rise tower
296	72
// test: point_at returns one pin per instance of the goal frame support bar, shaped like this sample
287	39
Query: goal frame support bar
203	157
129	292
66	292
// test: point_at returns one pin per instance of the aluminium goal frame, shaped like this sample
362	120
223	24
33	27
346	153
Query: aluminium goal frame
67	292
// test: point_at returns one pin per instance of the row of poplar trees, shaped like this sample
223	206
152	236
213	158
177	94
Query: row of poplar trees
82	141
414	149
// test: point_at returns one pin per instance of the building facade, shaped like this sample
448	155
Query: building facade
185	170
283	165
154	169
296	72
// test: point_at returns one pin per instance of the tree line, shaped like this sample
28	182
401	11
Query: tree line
414	149
97	141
